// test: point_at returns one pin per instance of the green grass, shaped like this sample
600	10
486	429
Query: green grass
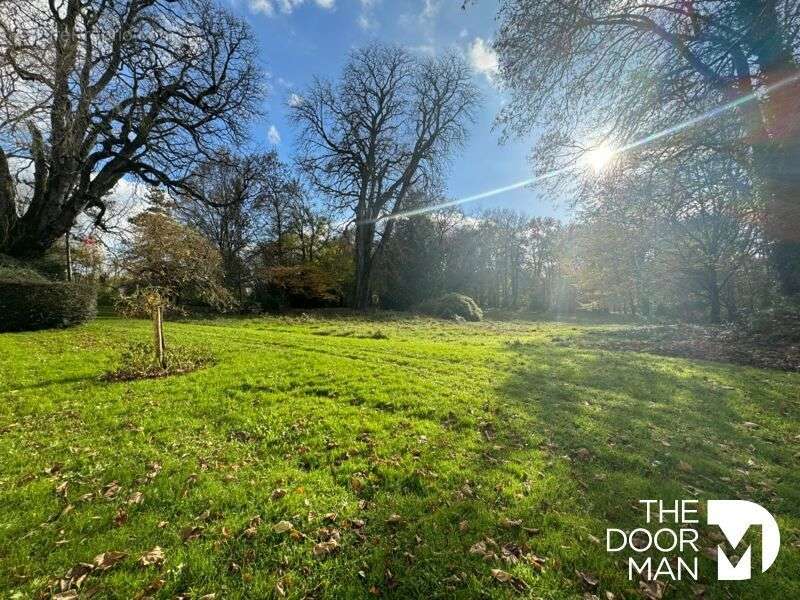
456	428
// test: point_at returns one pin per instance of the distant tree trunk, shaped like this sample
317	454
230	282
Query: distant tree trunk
68	256
775	139
715	305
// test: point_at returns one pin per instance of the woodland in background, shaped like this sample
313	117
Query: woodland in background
698	224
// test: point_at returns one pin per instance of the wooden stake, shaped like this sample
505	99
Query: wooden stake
158	335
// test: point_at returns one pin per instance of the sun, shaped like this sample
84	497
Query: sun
599	157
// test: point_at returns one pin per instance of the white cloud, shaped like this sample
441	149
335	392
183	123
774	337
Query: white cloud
267	7
430	9
264	7
365	22
273	135
295	100
483	58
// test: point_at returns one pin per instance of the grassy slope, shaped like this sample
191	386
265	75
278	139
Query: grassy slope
437	423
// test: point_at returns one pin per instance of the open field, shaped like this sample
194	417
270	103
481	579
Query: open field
405	441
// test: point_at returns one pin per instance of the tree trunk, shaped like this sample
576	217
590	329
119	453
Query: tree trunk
363	263
776	139
68	257
713	297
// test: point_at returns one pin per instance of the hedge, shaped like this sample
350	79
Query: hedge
27	305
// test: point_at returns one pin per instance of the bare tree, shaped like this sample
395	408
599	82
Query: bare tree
634	67
381	131
230	206
93	91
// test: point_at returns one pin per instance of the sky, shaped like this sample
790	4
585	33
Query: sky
301	39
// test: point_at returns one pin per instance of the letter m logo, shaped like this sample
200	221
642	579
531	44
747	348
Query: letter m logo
734	518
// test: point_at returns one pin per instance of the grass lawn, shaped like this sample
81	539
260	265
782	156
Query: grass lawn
391	447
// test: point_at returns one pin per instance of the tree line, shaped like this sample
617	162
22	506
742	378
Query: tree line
693	215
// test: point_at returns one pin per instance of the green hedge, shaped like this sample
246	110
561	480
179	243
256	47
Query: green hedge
26	305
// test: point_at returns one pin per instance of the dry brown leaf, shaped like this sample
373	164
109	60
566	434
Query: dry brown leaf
510	523
394	519
110	490
652	590
323	549
61	489
192	532
282	527
152	557
136	498
506	577
278	493
121	517
588	580
106	560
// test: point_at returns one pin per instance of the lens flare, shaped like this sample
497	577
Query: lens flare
602	158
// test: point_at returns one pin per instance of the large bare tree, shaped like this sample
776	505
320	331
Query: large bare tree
92	91
382	130
628	67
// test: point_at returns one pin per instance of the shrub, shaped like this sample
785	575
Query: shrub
13	270
27	305
452	306
139	362
304	286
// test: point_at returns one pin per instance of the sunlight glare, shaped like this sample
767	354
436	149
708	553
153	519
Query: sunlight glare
599	157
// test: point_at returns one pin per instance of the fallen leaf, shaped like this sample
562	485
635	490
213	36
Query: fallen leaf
110	490
192	532
394	519
510	523
589	580
506	577
152	557
136	498
121	517
278	494
323	549
282	527
61	489
106	560
652	590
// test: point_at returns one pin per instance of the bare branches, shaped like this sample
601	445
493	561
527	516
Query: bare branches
384	129
143	88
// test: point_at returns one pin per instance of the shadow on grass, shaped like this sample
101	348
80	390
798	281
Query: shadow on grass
629	427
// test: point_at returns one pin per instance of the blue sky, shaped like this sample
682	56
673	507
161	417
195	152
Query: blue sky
303	38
